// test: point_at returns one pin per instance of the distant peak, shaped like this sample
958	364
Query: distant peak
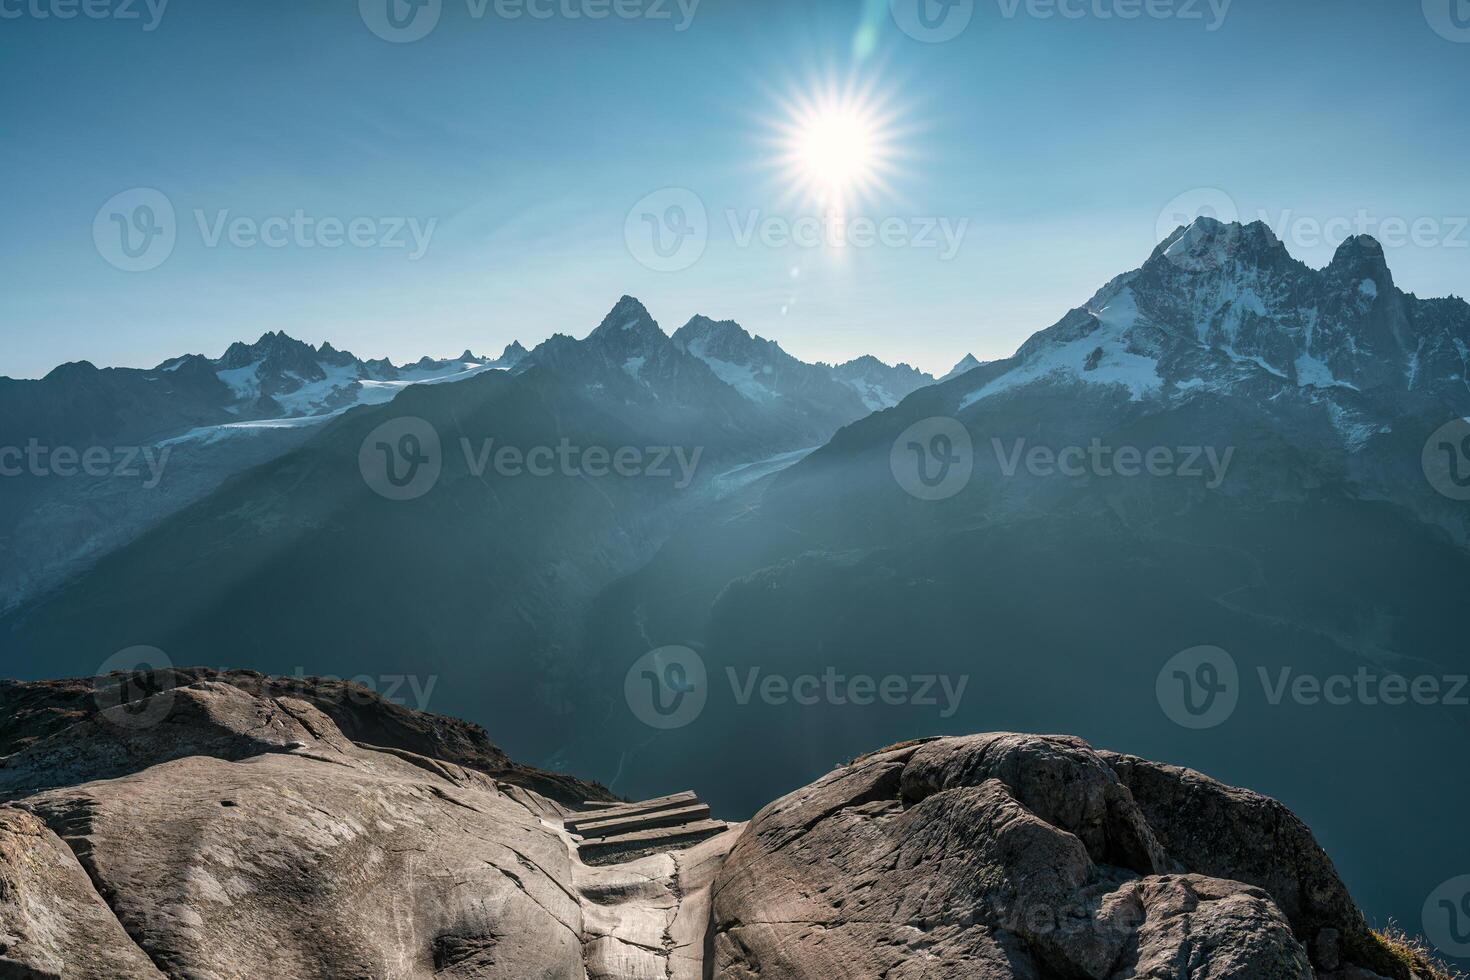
1360	243
627	318
1361	257
1208	243
72	369
701	325
1358	248
629	306
967	364
513	354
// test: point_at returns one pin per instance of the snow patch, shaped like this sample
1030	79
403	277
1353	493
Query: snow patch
244	382
1314	373
1079	360
744	378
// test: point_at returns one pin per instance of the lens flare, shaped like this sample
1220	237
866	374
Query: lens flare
837	146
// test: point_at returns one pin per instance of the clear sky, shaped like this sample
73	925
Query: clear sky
1057	143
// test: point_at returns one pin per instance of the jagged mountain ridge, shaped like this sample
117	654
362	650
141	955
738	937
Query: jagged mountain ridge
526	554
1321	548
183	427
216	417
1225	308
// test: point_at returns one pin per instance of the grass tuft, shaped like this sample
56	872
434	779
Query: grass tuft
1394	953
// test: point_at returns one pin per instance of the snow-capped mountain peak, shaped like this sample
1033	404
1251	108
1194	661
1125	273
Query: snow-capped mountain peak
1207	244
1224	308
879	385
753	366
628	324
967	364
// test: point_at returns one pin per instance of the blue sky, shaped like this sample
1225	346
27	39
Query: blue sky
520	146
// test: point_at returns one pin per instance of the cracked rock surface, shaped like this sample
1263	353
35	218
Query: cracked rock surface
240	836
1016	856
224	832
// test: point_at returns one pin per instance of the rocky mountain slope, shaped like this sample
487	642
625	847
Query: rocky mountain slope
491	568
228	828
166	437
1287	521
173	434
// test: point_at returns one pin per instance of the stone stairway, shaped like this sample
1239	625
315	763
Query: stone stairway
616	833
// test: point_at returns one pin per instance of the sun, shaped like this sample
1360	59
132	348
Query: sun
837	146
835	150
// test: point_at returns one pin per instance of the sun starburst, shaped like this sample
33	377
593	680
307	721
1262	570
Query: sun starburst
837	145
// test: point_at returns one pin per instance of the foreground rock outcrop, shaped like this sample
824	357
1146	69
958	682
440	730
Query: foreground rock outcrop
1016	856
220	830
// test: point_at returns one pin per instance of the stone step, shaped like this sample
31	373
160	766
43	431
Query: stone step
606	850
614	826
632	809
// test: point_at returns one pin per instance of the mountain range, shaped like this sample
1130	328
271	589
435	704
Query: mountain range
1221	450
186	426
